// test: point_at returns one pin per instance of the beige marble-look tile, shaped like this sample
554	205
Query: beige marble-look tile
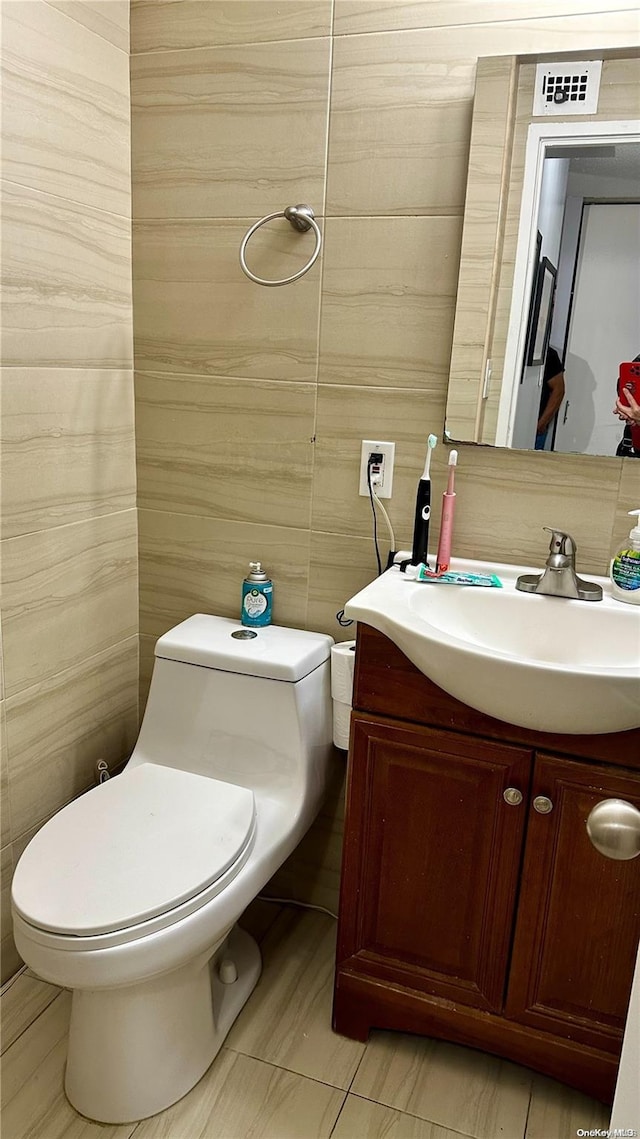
164	25
107	18
5	817
34	1103
10	960
147	660
455	1087
197	312
60	728
21	843
240	1096
191	564
312	873
558	1110
67	283
68	450
346	415
392	15
68	593
287	1020
504	498
21	1004
362	1119
341	565
493	111
400	126
27	1053
628	499
388	300
227	448
401	106
230	131
65	108
65	116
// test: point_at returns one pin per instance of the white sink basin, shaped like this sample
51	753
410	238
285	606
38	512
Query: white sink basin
547	663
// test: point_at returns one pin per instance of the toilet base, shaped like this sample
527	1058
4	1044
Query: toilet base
135	1051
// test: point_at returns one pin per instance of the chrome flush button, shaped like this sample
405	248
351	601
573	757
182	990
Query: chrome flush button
244	634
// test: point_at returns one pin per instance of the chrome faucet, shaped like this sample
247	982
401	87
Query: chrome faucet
560	578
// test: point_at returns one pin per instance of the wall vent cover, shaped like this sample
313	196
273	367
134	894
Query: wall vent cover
567	88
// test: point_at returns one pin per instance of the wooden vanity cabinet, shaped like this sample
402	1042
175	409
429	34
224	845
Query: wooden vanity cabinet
465	912
577	923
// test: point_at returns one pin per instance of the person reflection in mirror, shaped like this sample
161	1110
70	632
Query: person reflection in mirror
551	396
628	410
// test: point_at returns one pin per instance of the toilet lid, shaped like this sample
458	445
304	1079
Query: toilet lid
132	848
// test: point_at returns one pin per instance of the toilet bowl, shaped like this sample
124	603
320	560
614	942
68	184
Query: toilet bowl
130	895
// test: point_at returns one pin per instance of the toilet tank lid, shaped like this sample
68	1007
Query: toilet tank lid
274	652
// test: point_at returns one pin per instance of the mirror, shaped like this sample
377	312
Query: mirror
550	254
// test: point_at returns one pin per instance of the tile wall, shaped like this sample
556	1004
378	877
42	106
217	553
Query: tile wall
69	532
251	402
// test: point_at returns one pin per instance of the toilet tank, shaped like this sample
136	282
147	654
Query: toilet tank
254	710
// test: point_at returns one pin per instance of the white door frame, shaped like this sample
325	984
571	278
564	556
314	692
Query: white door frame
540	137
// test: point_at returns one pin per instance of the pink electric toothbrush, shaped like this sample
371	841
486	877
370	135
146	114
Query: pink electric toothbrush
446	522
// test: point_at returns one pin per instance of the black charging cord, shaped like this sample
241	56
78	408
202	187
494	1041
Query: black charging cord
340	617
375	520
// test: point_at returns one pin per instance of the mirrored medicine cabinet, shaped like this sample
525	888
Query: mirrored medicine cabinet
550	255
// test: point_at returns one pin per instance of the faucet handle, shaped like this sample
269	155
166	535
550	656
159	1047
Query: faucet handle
561	543
560	578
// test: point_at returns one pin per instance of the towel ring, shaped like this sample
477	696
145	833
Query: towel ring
302	218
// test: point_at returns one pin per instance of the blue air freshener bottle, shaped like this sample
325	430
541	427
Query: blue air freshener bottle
257	597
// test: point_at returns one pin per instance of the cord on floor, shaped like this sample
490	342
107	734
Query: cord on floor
293	902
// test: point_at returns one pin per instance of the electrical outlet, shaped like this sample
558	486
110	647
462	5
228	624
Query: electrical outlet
381	472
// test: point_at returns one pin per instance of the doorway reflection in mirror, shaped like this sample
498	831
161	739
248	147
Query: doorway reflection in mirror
590	227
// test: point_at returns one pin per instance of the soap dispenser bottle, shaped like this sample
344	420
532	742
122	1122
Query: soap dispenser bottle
625	567
257	597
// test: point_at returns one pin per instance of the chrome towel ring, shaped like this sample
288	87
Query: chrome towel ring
302	218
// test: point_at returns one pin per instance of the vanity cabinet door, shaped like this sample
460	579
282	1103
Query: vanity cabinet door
579	911
431	860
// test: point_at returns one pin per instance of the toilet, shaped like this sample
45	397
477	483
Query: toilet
130	895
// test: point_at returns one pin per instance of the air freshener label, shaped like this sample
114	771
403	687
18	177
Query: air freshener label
255	603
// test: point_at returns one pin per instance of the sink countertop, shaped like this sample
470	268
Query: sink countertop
545	663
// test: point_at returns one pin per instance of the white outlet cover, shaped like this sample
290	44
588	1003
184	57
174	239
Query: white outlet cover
388	451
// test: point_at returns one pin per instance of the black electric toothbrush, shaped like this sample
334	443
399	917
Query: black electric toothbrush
420	548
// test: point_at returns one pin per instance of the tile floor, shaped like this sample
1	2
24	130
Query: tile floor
283	1074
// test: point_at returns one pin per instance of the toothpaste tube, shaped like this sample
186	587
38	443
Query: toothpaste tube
451	577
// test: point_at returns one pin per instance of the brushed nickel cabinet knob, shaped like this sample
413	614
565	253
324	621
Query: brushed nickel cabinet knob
512	796
542	804
613	826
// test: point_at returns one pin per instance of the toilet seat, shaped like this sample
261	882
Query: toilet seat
134	855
